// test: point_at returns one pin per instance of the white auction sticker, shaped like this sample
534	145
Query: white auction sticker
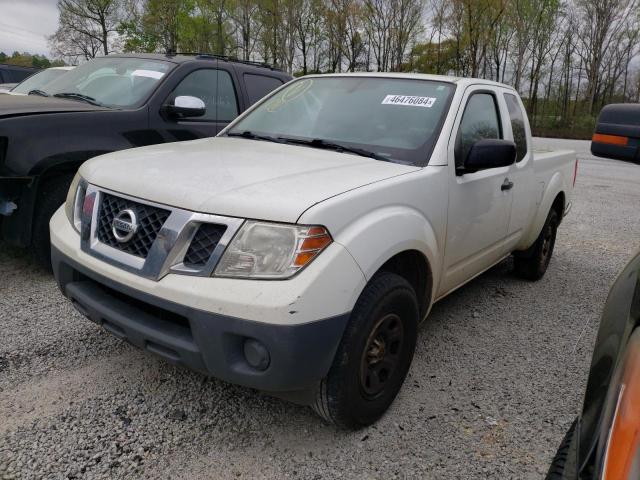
409	100
147	73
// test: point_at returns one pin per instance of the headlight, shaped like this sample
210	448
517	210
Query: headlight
271	250
75	199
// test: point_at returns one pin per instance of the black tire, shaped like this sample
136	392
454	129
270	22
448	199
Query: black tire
52	196
533	264
556	470
380	337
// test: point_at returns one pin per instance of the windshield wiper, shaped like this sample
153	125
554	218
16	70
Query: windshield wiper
35	91
338	147
254	136
79	96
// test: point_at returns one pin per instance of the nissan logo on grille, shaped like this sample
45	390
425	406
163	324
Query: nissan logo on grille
124	225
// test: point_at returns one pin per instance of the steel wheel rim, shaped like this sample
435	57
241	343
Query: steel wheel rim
381	355
547	240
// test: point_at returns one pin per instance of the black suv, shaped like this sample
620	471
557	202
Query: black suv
108	104
11	75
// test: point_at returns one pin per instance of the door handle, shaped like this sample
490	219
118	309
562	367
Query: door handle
506	185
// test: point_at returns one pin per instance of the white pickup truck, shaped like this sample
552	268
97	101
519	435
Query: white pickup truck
298	251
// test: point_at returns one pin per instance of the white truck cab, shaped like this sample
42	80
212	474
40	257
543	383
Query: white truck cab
297	252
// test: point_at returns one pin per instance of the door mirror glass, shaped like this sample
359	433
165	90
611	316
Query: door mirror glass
489	153
186	106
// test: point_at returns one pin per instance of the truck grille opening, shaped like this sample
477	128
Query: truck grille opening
203	244
150	220
159	313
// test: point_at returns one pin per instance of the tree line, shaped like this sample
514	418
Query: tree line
567	58
25	59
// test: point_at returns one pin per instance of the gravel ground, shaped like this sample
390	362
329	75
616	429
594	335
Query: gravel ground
497	378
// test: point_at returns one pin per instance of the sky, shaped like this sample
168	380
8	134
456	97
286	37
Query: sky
25	24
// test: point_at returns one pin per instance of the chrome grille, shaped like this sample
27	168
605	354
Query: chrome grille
204	242
191	244
150	221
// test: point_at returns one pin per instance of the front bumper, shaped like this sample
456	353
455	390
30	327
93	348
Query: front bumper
299	355
203	322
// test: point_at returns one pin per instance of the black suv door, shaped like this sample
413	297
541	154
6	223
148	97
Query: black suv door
215	84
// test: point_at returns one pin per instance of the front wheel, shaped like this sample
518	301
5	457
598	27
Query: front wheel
374	355
533	264
557	468
53	195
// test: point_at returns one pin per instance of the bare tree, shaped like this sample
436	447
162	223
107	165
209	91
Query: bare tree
85	24
243	14
73	46
602	24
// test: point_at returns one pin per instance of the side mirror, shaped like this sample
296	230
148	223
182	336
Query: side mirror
617	133
185	106
489	153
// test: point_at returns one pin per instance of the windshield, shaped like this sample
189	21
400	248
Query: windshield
111	81
39	80
394	119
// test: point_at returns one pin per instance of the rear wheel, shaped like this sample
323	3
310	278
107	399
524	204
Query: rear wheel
54	194
533	263
374	355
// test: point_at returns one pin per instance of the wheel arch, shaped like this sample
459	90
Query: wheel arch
553	197
398	239
413	266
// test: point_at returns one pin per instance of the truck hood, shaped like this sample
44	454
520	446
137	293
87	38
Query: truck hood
237	177
18	105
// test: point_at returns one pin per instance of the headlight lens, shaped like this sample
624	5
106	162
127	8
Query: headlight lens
272	250
75	199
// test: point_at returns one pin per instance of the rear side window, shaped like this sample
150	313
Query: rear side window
215	89
480	120
16	76
259	85
517	125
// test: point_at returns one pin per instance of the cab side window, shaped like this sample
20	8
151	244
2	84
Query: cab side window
480	120
259	85
517	125
215	88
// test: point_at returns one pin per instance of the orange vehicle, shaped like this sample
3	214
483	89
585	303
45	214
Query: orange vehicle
604	441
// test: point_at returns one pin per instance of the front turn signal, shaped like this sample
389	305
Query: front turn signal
315	240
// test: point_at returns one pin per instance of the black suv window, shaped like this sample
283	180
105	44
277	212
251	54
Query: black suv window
17	75
259	85
9	76
517	125
480	120
215	88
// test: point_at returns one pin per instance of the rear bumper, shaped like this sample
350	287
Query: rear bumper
627	152
299	354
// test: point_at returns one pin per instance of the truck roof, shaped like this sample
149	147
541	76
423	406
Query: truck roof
462	81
